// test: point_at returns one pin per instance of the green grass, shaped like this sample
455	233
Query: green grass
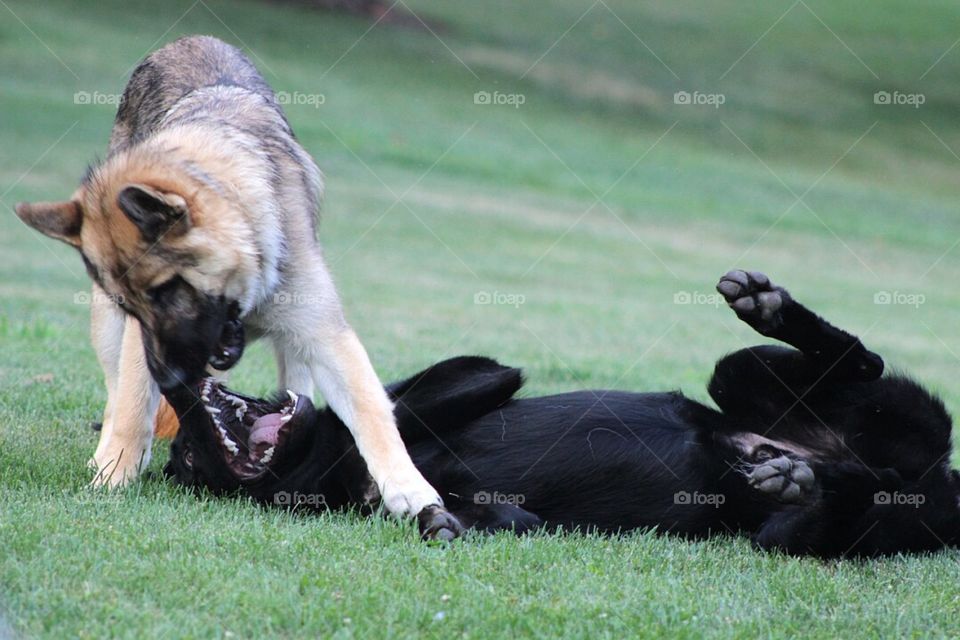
508	207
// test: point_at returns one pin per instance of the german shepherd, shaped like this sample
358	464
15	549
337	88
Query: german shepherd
199	230
812	452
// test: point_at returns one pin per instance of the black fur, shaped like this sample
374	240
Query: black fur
812	451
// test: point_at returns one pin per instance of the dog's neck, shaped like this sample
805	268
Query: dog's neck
327	465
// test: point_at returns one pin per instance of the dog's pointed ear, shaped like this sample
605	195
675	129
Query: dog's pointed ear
155	214
60	220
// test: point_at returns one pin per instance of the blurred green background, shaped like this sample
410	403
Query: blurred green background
556	184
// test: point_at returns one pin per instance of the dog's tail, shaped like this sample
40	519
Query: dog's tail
167	424
165	427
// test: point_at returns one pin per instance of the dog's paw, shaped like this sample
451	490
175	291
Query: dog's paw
755	299
438	524
118	466
406	498
784	479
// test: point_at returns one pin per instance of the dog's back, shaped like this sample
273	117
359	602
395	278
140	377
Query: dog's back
169	74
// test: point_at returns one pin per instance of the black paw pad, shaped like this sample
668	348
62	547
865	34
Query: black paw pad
438	524
784	479
753	297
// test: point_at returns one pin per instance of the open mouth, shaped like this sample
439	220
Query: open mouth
251	431
229	347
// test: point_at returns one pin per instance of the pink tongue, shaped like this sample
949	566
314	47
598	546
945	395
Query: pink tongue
265	430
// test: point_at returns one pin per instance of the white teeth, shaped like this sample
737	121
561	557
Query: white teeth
227	442
285	419
293	396
267	456
239	414
212	410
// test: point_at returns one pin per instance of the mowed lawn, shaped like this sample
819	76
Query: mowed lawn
578	235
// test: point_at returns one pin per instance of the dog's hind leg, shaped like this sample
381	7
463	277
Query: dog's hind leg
835	522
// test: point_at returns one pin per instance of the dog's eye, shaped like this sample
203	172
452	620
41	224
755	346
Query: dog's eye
188	459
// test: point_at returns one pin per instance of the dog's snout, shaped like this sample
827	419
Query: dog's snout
229	347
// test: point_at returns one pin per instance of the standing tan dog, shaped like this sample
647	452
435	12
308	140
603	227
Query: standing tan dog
199	226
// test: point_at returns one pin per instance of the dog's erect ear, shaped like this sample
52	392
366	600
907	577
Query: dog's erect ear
60	220
156	214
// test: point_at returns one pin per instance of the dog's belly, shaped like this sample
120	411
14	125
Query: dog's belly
623	463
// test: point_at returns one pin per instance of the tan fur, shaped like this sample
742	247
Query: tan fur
223	244
201	133
370	407
126	439
166	425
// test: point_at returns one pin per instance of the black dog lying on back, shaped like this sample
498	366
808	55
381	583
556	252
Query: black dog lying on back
812	451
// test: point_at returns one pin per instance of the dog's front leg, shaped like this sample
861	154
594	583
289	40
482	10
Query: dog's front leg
350	385
126	440
106	333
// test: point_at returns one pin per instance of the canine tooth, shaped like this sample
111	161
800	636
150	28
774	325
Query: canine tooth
293	396
285	418
212	410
